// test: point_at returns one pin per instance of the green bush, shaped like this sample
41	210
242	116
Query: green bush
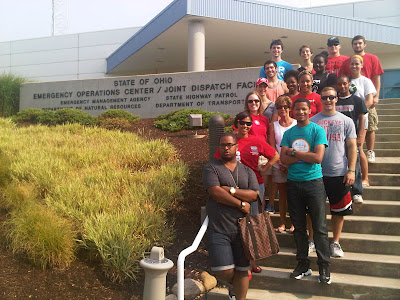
179	119
109	190
9	94
117	114
30	115
115	124
47	117
71	115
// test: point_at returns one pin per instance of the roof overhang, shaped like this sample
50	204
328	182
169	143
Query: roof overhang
238	34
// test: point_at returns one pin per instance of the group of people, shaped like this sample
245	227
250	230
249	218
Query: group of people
301	133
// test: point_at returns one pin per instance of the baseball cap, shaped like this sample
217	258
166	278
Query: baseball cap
262	80
333	41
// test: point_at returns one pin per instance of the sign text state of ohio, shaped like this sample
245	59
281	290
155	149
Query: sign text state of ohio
147	96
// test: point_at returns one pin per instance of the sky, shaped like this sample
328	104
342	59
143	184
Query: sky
25	19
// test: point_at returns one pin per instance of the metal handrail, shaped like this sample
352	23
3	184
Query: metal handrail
182	256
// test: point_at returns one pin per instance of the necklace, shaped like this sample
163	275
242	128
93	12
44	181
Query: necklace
236	182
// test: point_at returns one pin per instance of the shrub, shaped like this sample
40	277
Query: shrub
47	117
110	190
179	119
115	124
43	236
117	114
9	94
30	115
71	115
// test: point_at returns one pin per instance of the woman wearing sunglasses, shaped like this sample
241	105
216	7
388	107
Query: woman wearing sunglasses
305	85
260	125
279	171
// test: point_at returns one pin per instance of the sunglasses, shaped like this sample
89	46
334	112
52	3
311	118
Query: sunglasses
229	145
245	123
330	97
251	101
283	106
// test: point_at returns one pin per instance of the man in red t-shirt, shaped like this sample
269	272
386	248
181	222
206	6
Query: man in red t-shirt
372	69
335	60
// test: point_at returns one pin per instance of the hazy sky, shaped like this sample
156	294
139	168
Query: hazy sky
24	19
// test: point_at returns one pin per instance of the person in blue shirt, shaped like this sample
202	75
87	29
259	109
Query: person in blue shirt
303	148
276	49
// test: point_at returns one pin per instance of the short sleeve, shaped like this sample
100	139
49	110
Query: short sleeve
360	107
288	66
253	183
267	150
285	139
350	129
320	136
262	73
369	87
210	177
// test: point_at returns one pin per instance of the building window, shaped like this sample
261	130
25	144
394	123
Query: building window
390	84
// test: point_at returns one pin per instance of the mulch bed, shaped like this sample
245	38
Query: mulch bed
84	279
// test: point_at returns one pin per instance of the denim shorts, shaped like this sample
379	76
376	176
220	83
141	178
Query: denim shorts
226	252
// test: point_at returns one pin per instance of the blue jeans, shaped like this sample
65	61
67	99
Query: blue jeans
357	188
309	197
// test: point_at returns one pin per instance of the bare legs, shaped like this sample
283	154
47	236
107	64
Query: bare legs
370	138
238	279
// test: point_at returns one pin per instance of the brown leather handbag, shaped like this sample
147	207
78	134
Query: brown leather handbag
258	235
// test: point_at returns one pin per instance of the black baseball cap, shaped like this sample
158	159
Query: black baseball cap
333	41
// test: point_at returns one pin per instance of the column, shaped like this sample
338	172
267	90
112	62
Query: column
196	47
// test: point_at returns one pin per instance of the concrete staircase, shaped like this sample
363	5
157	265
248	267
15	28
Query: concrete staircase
370	268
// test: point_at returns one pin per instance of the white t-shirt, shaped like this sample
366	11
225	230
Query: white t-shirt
362	86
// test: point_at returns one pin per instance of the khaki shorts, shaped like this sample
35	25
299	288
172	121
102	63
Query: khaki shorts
372	119
278	176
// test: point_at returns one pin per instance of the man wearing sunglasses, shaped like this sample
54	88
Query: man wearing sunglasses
303	148
339	162
335	59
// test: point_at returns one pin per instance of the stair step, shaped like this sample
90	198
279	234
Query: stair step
386	137
388	110
343	285
388	101
351	263
384	179
388	118
387	152
390	130
389	165
385	145
257	294
379	208
388	123
381	192
359	224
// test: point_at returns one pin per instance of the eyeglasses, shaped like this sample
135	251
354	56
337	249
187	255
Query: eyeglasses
229	145
330	97
245	123
283	106
251	101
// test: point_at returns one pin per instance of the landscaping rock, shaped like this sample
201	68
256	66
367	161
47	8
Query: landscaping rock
193	288
171	297
208	280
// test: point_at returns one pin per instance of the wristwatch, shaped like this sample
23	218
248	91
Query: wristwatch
232	191
293	151
242	205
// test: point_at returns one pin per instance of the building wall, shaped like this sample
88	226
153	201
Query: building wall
377	11
74	56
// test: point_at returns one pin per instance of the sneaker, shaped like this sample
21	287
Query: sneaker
336	250
311	246
324	274
302	269
231	294
269	208
371	156
358	199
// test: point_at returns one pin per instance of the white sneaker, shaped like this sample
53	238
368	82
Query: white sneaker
371	156
358	199
311	246
336	250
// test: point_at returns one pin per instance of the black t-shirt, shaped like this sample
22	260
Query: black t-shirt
223	218
322	81
351	106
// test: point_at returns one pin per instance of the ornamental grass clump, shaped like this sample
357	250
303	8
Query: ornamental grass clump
109	190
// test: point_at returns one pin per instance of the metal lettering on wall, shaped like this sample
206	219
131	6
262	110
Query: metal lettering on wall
147	96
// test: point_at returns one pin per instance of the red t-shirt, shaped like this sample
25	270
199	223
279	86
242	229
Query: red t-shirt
249	149
260	127
371	66
334	64
315	102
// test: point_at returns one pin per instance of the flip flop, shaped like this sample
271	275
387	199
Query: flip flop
280	229
291	229
365	184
